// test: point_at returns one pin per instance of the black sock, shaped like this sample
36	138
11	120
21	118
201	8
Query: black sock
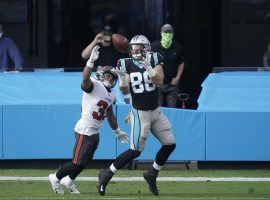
67	169
125	157
164	153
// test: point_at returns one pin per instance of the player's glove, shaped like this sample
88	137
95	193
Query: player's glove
121	136
93	57
146	63
122	76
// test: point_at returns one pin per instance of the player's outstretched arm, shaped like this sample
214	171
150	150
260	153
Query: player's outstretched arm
121	136
87	84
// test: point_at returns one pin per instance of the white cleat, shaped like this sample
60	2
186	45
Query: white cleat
55	182
70	185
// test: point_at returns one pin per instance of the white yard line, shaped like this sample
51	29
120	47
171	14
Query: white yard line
128	179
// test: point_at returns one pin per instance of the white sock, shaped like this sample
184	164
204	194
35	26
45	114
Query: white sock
156	166
113	169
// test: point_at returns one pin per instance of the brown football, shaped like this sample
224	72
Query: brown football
120	42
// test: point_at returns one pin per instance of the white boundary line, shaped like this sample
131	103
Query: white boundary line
146	198
128	179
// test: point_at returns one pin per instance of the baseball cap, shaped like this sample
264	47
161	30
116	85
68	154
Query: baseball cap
167	28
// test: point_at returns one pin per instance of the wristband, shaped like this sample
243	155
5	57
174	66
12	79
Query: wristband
90	64
117	131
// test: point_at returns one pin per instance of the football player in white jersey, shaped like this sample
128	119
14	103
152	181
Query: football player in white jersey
140	75
97	104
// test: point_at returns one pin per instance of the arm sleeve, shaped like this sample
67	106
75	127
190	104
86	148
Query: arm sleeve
121	64
156	59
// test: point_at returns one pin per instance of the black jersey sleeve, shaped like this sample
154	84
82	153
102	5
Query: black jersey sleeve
156	59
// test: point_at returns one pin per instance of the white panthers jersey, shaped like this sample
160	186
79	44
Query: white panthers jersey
94	108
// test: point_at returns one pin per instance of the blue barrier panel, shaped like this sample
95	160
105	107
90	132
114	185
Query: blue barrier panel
236	91
39	131
46	132
232	136
43	88
189	130
1	132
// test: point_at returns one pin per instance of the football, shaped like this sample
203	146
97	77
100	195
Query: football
120	42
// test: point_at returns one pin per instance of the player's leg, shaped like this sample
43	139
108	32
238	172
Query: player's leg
140	126
84	150
161	129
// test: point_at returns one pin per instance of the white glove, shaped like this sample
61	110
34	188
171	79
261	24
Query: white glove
146	63
93	57
122	76
121	136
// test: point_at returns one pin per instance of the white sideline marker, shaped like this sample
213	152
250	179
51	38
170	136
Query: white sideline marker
129	179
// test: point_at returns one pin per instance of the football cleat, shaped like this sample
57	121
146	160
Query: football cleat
104	176
56	186
70	185
151	180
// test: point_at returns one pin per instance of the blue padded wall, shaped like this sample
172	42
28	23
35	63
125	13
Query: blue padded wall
189	130
237	136
39	131
236	91
46	131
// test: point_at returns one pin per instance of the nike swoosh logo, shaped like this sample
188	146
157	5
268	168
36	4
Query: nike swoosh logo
101	188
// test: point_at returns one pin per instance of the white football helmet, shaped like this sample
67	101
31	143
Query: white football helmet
139	46
109	83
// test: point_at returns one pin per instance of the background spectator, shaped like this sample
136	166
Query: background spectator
266	57
108	54
173	66
10	56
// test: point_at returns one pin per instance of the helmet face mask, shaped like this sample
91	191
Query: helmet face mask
137	51
139	46
107	76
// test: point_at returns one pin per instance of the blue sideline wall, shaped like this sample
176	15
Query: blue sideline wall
237	136
46	132
189	130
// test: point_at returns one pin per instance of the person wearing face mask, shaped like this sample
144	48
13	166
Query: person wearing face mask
173	66
10	56
108	54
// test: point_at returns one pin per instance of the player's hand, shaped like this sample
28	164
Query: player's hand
120	72
93	57
146	61
94	54
121	136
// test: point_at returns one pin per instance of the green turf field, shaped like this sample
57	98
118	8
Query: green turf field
139	190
